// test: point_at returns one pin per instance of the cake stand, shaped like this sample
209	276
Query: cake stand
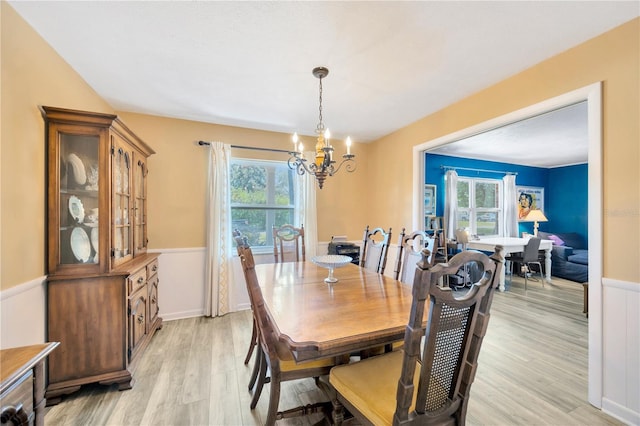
331	261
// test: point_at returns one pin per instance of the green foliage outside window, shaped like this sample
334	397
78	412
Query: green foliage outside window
463	194
261	197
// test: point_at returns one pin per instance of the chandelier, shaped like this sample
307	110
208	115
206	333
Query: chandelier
323	164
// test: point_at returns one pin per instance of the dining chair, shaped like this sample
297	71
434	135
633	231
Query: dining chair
242	242
410	252
462	239
288	243
441	249
525	259
410	249
275	357
375	245
428	385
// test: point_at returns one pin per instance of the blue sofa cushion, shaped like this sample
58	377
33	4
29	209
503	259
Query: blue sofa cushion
574	240
570	239
570	271
580	257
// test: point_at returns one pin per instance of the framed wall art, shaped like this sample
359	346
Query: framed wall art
529	198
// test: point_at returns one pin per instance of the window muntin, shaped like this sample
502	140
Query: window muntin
262	195
479	207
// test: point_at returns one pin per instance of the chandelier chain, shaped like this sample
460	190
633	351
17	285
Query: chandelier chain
320	127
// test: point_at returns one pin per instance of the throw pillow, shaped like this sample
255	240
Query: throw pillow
555	240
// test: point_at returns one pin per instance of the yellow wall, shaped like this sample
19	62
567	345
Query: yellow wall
378	193
33	74
613	58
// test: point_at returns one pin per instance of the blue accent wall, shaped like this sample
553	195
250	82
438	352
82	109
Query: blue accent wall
565	189
567	200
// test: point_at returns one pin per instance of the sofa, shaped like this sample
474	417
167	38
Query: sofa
569	255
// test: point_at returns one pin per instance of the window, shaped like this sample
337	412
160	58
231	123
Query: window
262	196
479	207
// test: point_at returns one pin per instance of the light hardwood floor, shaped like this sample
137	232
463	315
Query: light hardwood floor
532	371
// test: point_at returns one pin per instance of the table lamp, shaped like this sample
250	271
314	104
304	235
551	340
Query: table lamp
535	216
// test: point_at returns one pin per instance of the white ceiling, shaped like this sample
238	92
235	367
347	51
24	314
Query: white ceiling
553	139
249	63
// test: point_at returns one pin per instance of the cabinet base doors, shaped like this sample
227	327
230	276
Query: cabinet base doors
103	324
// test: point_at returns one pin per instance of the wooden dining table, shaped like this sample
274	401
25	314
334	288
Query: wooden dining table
315	319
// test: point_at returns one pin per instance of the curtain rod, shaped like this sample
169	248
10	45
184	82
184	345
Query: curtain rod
203	143
478	170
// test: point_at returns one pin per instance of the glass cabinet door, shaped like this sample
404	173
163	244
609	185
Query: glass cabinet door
122	204
140	204
77	228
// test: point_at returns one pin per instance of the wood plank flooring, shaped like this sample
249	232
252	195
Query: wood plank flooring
532	371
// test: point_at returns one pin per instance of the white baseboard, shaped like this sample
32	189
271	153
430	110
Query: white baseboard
182	315
621	413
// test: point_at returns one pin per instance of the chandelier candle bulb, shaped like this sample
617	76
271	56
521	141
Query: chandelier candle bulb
348	145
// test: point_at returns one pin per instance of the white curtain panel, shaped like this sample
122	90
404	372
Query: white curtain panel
218	268
305	206
510	206
450	203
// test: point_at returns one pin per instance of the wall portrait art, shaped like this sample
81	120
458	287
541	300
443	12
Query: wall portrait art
529	198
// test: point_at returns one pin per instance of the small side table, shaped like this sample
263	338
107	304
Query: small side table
22	383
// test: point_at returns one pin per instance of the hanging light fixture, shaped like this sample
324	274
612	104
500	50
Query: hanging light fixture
323	164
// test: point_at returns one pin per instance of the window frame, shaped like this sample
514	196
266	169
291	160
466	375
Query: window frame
474	212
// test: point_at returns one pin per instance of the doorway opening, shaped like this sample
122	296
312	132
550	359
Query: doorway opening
593	95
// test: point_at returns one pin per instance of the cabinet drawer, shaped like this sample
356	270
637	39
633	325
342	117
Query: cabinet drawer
152	268
17	401
137	280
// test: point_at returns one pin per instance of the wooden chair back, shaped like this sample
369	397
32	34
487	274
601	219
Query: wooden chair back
441	249
455	329
410	252
268	340
288	244
241	240
374	252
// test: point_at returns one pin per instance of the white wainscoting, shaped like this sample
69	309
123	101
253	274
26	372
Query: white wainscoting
22	314
621	350
181	283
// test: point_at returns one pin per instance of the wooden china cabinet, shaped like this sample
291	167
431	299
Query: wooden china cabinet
102	285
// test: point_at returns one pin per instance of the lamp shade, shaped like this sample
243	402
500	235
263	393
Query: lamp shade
536	216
